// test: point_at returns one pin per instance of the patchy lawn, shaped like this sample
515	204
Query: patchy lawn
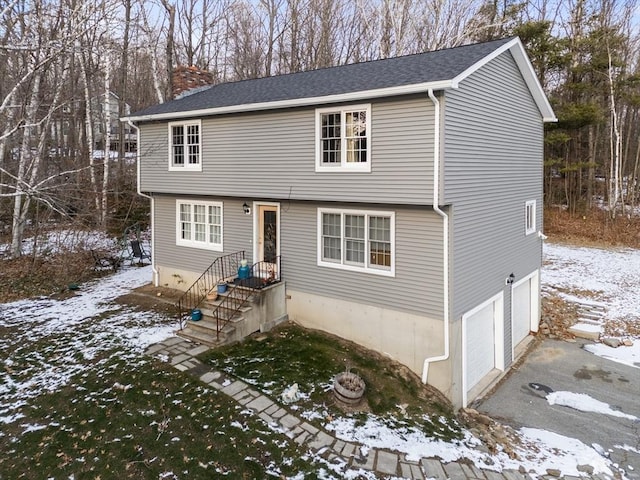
291	354
143	421
79	399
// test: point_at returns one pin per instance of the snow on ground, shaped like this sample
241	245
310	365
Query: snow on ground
595	276
626	355
64	240
614	275
585	403
568	452
49	341
539	450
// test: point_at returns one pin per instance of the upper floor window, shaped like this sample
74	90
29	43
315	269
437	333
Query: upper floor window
199	224
357	240
343	138
185	145
530	217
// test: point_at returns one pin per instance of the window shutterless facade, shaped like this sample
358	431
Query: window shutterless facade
199	224
357	240
530	217
343	139
185	145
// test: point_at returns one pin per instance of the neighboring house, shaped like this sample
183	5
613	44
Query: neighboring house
69	121
404	197
100	110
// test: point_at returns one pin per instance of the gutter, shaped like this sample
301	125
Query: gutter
445	237
297	102
156	278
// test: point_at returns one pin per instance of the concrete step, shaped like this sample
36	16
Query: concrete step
586	331
209	326
595	309
591	321
238	293
591	311
208	309
203	338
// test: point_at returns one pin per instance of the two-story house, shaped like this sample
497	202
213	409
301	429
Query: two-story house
400	200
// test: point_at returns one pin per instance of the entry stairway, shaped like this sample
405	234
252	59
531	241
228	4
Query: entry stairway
224	320
254	303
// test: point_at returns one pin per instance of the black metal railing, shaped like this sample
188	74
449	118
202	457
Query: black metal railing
222	269
230	305
262	274
267	272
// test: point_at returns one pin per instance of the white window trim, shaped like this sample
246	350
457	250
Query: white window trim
355	268
344	165
186	167
216	247
531	204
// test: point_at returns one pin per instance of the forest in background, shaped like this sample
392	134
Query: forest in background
70	68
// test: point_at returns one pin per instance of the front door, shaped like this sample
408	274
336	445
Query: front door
268	230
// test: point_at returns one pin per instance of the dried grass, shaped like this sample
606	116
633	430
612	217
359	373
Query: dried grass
594	229
27	276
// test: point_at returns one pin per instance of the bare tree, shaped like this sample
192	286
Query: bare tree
171	13
36	43
151	40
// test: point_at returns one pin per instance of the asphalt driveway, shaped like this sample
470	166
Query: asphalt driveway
562	366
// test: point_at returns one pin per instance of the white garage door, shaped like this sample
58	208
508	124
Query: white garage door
480	343
521	316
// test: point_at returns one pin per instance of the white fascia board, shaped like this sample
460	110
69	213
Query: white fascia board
299	102
527	71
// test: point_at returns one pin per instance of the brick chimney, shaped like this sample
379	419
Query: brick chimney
187	78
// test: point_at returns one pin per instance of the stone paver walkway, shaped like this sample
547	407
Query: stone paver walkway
181	354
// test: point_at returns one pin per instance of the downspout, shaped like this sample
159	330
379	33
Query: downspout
153	244
445	237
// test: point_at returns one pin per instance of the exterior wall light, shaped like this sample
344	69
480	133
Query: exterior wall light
246	209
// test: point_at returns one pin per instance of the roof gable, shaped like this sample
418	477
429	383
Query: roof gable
416	73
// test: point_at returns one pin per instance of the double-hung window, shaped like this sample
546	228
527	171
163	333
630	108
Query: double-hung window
185	145
199	224
343	139
358	240
530	217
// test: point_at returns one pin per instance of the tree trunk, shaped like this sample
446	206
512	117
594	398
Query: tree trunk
25	159
88	125
107	143
171	11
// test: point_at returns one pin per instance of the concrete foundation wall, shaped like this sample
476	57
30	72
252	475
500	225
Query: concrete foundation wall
176	278
402	336
268	309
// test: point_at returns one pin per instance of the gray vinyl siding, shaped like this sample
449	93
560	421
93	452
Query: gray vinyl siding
272	155
237	233
416	287
493	150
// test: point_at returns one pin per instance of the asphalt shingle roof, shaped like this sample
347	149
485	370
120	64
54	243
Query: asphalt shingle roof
440	65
